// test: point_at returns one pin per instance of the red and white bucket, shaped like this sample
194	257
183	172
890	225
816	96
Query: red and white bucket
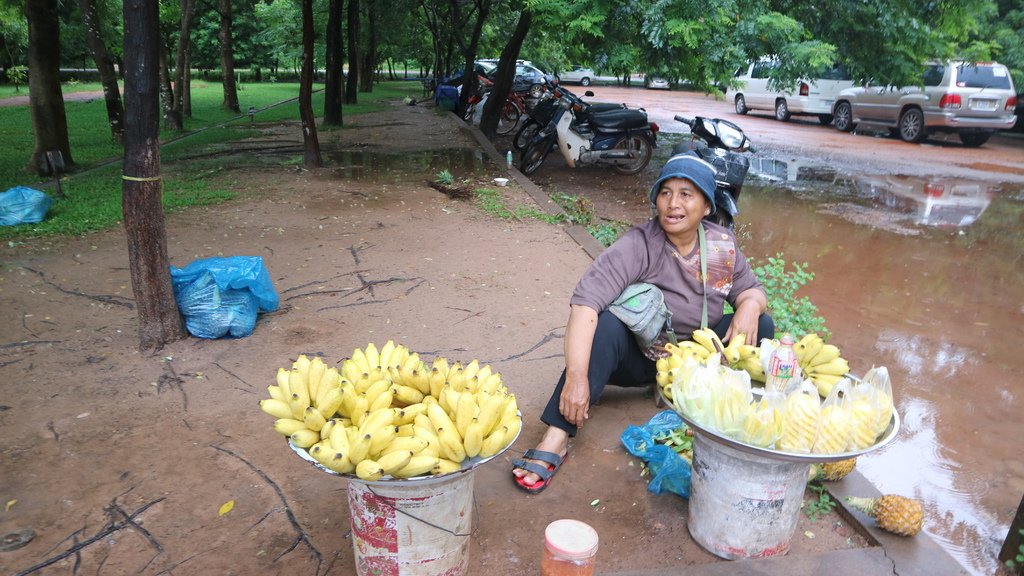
414	527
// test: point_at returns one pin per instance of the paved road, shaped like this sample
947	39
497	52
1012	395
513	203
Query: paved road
1001	159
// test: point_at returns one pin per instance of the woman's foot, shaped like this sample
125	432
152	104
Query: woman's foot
555	441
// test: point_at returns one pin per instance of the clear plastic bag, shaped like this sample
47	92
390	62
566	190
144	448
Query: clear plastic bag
878	379
694	387
803	413
222	296
731	400
669	471
764	425
836	422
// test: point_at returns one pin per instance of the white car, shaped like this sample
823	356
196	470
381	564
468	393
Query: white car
812	97
585	77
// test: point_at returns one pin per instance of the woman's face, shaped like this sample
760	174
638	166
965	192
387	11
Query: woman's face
681	205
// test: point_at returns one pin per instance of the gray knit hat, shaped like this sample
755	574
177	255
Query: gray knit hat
692	167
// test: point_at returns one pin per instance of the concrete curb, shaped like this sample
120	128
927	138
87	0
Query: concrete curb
919	555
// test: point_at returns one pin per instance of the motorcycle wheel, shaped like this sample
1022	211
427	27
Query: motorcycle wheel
638	143
468	114
535	154
509	118
525	134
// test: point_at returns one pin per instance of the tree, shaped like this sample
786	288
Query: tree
46	100
481	8
182	64
504	76
13	41
159	320
352	82
227	58
105	67
369	50
311	145
335	75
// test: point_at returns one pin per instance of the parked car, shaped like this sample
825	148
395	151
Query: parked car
812	96
972	99
656	82
585	76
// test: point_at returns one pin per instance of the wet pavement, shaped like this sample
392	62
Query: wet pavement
917	272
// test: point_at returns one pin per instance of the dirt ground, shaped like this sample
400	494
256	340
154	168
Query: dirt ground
120	461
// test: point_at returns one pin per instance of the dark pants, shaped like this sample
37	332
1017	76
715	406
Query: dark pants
615	357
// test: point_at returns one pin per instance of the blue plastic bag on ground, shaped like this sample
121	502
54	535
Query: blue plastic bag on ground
23	205
669	471
221	296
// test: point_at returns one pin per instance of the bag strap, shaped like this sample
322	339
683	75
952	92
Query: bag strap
703	273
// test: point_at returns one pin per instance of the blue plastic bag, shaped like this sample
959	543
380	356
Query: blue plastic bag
221	296
23	205
669	471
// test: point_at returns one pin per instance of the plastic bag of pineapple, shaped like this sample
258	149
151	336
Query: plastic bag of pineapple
837	422
880	394
802	418
731	402
694	386
764	424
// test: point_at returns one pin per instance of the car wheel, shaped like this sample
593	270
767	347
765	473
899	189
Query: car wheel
842	117
741	104
911	125
584	81
536	90
825	119
525	134
535	154
639	144
781	110
974	139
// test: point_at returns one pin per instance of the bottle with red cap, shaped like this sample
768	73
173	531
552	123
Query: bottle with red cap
570	547
783	366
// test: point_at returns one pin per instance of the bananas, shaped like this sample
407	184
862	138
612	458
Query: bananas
820	362
385	413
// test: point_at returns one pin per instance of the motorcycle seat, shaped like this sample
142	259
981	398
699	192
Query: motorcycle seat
615	120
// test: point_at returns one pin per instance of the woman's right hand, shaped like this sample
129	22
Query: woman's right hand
574	403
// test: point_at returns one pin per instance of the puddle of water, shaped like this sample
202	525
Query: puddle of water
942	310
390	168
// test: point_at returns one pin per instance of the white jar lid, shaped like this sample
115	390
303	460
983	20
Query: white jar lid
571	539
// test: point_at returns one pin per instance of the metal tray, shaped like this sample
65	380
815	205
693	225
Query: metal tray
886	437
467	464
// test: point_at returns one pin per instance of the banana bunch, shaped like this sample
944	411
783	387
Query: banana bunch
820	362
737	355
386	413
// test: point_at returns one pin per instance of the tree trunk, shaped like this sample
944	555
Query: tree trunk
105	66
335	56
370	53
469	79
504	76
227	59
310	143
46	101
351	85
172	120
181	64
159	319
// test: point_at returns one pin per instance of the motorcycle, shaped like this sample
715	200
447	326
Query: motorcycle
542	112
623	139
719	142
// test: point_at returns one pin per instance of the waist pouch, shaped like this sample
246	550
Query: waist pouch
641	307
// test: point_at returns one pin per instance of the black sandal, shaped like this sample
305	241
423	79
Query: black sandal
553	461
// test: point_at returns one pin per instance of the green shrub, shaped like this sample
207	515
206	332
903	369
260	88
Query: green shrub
791	313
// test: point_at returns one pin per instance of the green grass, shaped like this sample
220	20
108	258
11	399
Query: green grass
93	190
492	203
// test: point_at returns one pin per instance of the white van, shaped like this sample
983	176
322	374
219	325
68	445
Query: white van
812	97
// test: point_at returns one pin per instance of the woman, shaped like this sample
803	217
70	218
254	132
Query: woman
664	251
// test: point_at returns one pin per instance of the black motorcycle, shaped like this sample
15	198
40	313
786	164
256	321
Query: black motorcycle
719	142
542	112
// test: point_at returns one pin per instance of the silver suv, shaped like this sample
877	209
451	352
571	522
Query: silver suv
972	99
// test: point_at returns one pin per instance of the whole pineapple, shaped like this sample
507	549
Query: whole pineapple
832	471
893	513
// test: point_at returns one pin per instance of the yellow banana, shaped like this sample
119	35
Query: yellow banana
408	414
305	438
351	371
340	463
748	350
436	381
320	452
473	439
399	356
827	354
417	465
298	405
376	389
732	351
451	444
330	379
837	366
494	442
465	412
275	392
510	409
807	347
315	375
421	379
359	448
395	461
330	402
406	395
381	438
383	400
339	439
825	382
512	429
325	430
298	386
490	412
752	366
445	466
456	378
471	369
372	355
413	444
377	419
288	426
283	376
301	365
441	365
491	384
406	430
314	419
362	365
276	408
360	407
369	470
694	348
708	339
384	359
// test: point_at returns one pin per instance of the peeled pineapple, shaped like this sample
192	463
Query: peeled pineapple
893	513
803	412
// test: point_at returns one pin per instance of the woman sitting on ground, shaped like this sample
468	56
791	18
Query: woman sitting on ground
665	252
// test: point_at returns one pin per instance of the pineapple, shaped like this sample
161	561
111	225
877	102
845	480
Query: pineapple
833	471
893	513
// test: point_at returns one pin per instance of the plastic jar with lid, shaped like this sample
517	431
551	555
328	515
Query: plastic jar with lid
569	549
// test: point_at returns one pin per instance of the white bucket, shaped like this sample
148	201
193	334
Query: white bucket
413	527
743	505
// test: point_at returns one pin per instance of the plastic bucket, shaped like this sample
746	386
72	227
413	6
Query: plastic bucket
743	505
412	527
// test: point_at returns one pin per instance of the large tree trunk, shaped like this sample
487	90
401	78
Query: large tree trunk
310	143
469	80
227	59
159	319
182	103
369	67
351	85
504	76
105	66
46	101
335	55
